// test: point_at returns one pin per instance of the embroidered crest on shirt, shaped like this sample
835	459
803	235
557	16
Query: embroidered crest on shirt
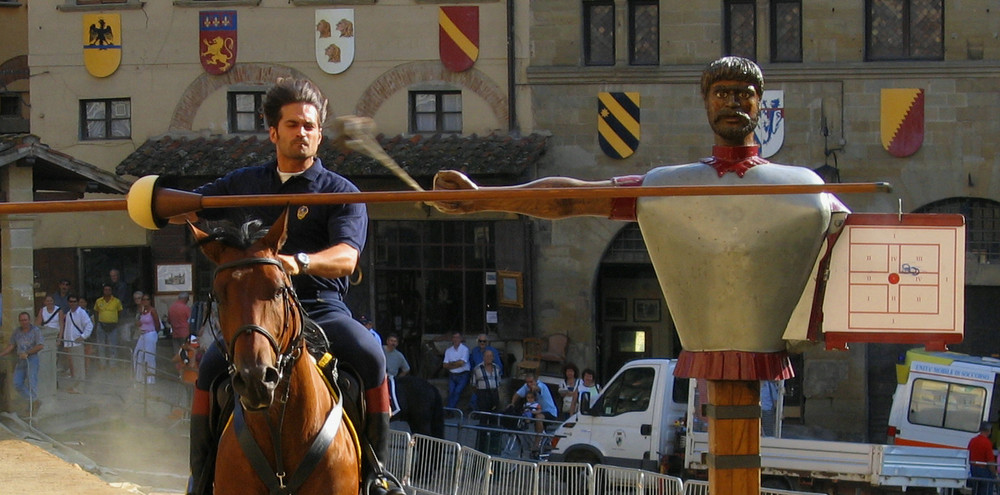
303	211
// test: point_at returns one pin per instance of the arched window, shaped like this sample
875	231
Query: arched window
982	224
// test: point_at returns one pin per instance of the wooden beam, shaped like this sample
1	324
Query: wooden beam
733	437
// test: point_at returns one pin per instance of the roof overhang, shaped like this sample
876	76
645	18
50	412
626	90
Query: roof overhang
57	175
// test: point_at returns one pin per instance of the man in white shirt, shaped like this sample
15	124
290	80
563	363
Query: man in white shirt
456	361
77	328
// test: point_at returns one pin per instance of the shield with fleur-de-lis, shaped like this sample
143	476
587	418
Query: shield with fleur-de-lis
217	40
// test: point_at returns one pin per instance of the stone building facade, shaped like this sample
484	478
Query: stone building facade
540	69
831	117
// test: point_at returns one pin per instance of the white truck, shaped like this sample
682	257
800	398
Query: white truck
641	420
941	398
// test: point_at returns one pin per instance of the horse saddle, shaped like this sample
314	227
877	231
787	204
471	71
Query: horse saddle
342	374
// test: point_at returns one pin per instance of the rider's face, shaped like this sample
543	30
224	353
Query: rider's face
298	133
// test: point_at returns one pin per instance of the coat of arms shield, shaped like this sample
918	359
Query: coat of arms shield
217	40
102	43
770	131
902	121
458	37
618	123
334	39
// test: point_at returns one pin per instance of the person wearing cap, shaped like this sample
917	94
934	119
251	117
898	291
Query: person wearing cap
371	328
179	315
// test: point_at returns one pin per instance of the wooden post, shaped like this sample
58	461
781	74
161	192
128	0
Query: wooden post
733	412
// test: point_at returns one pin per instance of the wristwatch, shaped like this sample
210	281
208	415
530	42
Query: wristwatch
303	260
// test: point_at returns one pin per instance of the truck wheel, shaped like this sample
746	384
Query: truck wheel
582	456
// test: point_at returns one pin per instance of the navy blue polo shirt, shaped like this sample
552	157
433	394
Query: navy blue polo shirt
311	228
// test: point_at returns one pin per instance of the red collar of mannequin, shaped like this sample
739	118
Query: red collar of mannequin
736	159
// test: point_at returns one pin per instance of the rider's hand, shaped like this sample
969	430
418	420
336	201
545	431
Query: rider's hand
288	262
451	180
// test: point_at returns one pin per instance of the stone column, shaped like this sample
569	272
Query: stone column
17	259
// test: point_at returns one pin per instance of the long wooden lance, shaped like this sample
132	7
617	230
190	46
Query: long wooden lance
150	206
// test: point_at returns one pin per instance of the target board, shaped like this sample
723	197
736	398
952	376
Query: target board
897	279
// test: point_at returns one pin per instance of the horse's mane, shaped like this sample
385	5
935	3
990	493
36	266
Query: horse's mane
235	236
242	237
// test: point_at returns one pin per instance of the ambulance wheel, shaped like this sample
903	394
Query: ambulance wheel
582	456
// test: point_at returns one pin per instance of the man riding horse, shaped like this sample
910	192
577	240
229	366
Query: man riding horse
323	247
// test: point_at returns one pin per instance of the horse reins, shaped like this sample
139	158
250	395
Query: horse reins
276	480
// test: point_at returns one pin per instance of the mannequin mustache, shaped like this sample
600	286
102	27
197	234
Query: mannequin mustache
725	114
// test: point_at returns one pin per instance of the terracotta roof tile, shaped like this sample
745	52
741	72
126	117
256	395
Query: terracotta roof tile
193	155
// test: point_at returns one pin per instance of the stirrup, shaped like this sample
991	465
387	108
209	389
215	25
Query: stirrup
382	484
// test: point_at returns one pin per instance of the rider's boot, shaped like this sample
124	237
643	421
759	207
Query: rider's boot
377	434
203	447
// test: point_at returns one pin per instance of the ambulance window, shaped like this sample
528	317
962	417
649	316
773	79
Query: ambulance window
681	386
630	392
946	405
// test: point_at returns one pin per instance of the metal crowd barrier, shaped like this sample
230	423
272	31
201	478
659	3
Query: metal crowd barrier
612	479
430	466
984	486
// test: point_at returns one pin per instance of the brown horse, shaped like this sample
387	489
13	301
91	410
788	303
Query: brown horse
287	434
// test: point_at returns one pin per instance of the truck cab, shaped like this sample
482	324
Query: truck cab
941	398
632	423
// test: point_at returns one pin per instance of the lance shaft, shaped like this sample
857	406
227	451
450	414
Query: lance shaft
193	202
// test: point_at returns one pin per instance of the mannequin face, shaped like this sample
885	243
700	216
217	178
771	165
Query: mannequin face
733	109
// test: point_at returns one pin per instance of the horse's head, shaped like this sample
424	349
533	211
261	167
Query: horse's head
258	317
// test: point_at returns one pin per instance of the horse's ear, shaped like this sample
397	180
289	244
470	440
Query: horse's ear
278	233
212	250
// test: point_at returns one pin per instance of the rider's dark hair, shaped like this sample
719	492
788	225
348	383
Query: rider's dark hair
288	90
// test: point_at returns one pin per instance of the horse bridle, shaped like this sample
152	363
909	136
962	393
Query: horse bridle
275	480
284	357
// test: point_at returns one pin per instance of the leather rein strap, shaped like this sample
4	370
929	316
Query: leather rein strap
275	479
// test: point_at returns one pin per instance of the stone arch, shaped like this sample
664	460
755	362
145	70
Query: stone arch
402	76
982	239
206	84
13	69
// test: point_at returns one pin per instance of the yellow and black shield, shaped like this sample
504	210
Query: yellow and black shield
102	43
618	123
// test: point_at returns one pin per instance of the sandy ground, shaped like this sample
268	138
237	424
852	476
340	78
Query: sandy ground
118	437
30	470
